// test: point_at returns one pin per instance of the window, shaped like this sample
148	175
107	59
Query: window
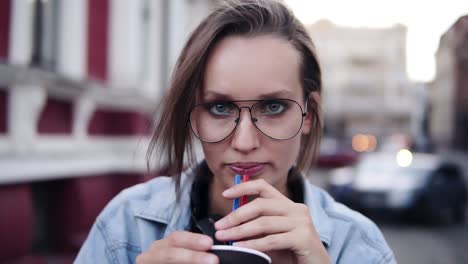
45	37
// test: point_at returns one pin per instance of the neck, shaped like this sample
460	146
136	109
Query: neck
218	204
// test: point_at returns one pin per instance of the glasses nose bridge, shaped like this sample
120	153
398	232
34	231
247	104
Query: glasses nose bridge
250	112
245	106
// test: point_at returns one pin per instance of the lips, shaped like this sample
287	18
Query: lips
249	168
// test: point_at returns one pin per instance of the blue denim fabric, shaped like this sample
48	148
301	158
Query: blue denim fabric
139	215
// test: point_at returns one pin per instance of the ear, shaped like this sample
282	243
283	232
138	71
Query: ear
314	99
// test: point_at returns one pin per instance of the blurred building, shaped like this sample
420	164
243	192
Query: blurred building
79	83
449	93
365	84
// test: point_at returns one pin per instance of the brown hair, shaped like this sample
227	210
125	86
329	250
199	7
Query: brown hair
247	18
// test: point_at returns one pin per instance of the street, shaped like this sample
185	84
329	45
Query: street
420	244
413	243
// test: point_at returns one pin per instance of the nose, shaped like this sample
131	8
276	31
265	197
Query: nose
245	137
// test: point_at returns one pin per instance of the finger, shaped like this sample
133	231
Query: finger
188	240
256	208
268	243
256	187
265	225
177	255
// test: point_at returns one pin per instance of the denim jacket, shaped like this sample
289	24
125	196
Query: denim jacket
141	214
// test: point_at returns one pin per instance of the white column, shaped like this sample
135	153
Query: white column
72	52
184	16
199	10
72	57
21	29
153	81
125	43
178	30
26	103
83	108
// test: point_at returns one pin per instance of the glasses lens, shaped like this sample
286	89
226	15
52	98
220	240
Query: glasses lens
213	122
278	119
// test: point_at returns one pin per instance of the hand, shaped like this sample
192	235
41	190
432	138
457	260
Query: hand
179	247
272	223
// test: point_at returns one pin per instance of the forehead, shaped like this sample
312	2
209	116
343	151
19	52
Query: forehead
252	68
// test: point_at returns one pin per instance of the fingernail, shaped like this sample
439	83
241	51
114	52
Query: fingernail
228	192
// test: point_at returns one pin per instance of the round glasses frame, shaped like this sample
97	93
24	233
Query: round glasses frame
252	118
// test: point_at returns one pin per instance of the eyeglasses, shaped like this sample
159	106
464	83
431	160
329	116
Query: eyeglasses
279	119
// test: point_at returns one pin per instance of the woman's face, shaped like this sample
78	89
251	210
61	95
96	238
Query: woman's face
240	68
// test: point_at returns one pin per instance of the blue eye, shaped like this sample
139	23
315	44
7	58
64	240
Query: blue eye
221	109
273	107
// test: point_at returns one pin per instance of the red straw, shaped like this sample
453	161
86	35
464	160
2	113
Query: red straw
245	178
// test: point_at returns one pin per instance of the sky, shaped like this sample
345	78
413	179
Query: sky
426	22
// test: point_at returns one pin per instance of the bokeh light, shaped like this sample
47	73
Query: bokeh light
404	158
364	143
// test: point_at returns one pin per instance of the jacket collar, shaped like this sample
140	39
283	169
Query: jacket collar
322	222
163	207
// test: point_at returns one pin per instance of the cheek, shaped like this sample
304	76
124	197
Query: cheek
214	152
286	152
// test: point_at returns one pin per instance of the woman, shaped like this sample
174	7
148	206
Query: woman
247	87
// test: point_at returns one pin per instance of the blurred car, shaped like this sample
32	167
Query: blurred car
332	154
411	184
337	159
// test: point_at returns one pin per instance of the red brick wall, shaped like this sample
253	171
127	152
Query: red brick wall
5	7
118	123
74	205
56	117
98	16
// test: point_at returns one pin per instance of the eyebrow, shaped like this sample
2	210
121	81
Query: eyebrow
209	95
